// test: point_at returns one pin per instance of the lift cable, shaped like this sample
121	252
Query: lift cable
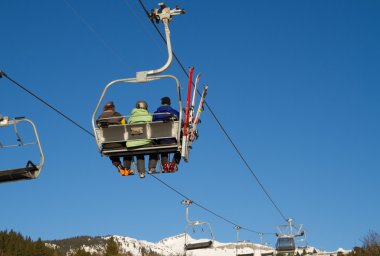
93	30
206	104
218	122
47	104
208	210
2	74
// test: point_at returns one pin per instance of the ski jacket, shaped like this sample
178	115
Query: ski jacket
139	115
110	117
171	112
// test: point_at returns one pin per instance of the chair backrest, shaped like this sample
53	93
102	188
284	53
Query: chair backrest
26	173
154	131
201	245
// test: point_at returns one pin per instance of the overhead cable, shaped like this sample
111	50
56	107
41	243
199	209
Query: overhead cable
219	123
47	104
2	74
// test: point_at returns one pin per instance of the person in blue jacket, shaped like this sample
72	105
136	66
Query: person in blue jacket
166	112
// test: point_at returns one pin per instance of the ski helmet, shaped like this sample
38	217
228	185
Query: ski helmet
142	104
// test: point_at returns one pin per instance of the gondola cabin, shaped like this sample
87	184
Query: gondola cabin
285	245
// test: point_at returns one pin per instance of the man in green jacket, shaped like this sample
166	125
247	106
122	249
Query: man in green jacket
139	114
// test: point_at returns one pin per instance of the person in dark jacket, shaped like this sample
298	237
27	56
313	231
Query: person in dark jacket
110	116
166	112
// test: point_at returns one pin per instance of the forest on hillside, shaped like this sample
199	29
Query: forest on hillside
15	244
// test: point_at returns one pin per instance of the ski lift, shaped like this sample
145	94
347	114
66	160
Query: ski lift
270	253
106	134
205	243
285	238
302	241
31	170
241	242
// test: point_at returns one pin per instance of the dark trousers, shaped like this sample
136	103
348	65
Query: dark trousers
140	163
115	160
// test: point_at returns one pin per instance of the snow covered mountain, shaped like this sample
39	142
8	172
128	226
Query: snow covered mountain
171	246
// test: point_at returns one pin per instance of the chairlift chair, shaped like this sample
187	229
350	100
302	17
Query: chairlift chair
302	241
191	224
237	228
121	133
31	170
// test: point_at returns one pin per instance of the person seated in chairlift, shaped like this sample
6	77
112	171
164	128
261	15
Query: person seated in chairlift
108	117
166	113
139	114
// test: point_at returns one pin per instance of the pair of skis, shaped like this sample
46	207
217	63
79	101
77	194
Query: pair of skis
190	132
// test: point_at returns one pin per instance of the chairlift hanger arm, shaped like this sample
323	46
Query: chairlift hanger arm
165	14
187	203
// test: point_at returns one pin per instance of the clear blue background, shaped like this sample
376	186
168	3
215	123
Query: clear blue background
294	83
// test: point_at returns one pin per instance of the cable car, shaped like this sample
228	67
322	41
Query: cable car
285	245
200	244
106	134
285	238
31	170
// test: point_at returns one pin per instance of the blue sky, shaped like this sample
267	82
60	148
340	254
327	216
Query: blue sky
294	83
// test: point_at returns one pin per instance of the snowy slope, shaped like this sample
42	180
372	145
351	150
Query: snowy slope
174	246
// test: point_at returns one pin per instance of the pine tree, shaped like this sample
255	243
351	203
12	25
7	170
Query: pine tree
14	244
81	252
112	248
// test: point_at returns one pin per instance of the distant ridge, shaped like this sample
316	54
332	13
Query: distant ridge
170	246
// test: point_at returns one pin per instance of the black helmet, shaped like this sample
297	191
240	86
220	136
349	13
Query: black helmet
142	104
165	100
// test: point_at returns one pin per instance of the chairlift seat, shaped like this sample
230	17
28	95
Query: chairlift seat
113	138
246	254
201	245
27	173
267	254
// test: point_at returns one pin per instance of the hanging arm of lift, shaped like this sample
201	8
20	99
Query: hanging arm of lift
187	202
165	14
